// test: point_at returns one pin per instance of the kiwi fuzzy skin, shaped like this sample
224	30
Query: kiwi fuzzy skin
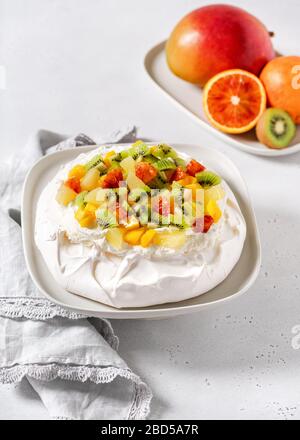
262	135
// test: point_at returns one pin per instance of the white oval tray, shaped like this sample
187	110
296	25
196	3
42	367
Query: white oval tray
188	97
238	282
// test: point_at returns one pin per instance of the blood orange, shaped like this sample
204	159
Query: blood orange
234	100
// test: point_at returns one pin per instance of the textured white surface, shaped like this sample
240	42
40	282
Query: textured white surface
77	66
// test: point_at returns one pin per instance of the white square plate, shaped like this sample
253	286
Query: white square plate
188	97
239	280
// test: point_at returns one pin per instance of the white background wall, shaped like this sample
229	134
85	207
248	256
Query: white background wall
77	66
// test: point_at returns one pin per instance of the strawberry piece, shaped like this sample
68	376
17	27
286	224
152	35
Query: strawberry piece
203	224
162	206
145	171
208	222
194	167
112	178
74	184
179	174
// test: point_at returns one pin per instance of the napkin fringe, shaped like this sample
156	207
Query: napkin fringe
42	310
140	406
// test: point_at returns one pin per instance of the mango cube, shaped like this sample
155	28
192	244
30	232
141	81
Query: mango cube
213	210
147	238
133	237
78	171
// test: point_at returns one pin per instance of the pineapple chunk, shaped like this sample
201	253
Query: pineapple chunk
128	164
170	239
107	158
213	210
133	237
95	196
134	182
114	237
78	171
90	180
194	187
215	193
65	195
147	238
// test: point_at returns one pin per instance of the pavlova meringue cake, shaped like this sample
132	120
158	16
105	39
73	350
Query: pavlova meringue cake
138	226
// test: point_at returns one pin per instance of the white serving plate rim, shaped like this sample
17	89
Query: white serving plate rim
135	313
268	152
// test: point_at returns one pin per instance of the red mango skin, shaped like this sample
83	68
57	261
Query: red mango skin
215	38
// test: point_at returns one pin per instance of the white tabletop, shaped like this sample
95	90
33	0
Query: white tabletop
78	67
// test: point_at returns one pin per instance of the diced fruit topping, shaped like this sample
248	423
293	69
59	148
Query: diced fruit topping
214	192
114	236
74	184
170	239
145	171
107	158
133	237
90	180
113	178
138	149
105	218
85	217
194	167
162	151
96	162
78	172
213	210
165	164
203	224
65	195
80	199
148	237
208	179
131	194
208	222
187	180
179	174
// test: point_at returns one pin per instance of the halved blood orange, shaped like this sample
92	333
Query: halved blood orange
234	100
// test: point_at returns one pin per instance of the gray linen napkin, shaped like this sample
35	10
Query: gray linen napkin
70	361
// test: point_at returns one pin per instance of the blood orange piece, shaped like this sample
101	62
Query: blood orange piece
234	100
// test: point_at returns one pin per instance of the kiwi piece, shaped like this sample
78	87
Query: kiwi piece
162	151
177	193
157	183
208	179
96	161
165	164
150	159
105	219
179	224
139	148
113	165
79	201
180	163
135	195
275	128
120	156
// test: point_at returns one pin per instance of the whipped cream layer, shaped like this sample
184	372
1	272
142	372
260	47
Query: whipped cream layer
82	261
